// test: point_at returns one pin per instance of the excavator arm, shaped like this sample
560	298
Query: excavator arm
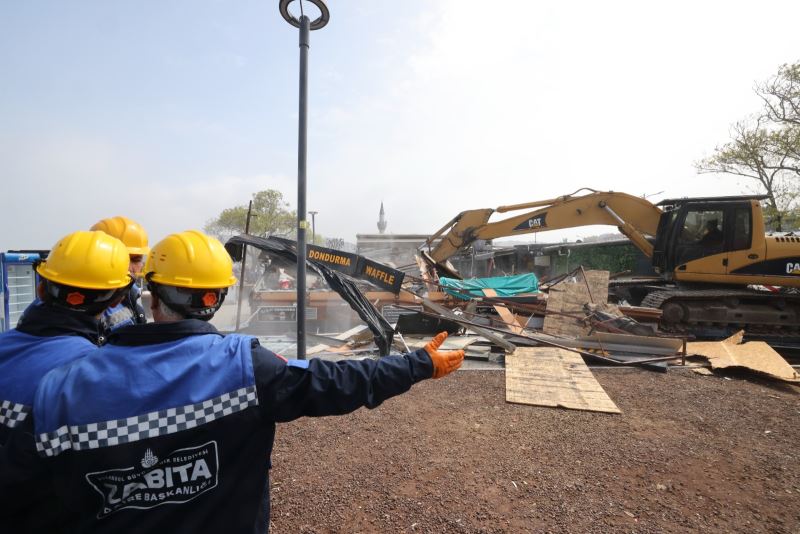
635	217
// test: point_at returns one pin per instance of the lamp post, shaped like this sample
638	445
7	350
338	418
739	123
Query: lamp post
305	25
313	227
244	261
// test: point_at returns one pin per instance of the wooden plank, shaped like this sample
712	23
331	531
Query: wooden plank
544	376
424	271
505	314
357	333
316	349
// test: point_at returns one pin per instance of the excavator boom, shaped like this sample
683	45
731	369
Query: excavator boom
635	217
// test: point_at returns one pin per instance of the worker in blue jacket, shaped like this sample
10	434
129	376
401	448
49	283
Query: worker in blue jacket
130	310
169	427
83	274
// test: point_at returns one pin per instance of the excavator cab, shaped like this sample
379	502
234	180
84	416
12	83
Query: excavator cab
698	235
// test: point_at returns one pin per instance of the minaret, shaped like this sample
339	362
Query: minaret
382	220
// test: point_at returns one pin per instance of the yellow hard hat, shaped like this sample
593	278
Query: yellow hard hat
190	259
127	231
88	260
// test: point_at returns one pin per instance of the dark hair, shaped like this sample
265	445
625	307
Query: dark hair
189	302
88	301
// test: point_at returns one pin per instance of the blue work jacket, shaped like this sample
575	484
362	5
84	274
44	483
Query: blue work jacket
169	427
46	337
127	312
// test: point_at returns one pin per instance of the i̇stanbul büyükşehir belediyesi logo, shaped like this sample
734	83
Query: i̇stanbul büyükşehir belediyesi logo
176	478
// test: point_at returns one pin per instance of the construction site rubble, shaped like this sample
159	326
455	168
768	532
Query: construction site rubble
543	333
755	356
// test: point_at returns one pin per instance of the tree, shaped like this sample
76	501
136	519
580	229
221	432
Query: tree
781	95
766	147
270	215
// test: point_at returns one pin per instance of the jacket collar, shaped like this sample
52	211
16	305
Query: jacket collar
153	333
44	320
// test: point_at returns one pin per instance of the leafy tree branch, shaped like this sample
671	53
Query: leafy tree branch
766	147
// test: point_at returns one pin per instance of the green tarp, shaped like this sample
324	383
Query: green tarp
505	286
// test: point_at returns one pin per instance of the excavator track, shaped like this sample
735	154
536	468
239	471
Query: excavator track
701	311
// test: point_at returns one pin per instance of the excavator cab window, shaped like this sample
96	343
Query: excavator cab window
701	234
702	227
705	229
742	228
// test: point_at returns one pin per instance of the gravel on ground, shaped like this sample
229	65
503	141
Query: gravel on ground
688	453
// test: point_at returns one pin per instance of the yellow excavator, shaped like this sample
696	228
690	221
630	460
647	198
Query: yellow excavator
717	265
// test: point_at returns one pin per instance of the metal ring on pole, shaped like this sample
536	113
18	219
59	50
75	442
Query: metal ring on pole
320	22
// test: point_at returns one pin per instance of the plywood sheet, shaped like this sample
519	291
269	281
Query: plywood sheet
544	376
756	356
567	298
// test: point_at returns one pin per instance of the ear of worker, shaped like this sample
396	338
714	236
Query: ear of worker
444	361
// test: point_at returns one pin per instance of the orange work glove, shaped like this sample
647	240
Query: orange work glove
444	361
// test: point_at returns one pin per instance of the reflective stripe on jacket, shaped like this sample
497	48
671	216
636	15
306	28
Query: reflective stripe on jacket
24	360
170	426
45	338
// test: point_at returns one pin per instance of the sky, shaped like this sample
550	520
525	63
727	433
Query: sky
169	111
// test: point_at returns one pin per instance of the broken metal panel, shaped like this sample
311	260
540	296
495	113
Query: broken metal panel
628	343
608	317
557	378
756	356
380	275
419	323
451	343
393	313
339	282
494	338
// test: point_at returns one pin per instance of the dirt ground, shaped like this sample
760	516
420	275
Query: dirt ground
688	453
